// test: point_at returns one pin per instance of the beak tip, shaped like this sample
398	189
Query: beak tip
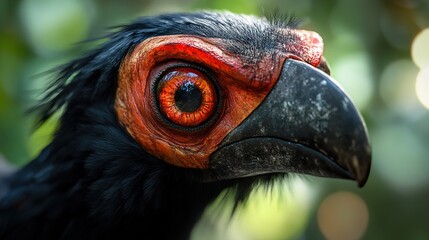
363	178
361	171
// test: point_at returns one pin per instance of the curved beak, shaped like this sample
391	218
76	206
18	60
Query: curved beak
306	125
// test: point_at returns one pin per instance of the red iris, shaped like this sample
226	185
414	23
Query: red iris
186	96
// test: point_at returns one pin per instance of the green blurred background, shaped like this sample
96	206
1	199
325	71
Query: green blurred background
377	50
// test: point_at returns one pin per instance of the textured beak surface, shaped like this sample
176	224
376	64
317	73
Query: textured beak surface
306	124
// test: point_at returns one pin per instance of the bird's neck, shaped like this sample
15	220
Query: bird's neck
105	182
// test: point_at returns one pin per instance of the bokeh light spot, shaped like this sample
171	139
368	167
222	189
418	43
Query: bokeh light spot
277	213
358	85
422	86
400	156
397	86
343	216
54	26
420	49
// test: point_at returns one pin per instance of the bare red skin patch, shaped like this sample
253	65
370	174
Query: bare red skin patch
242	86
307	45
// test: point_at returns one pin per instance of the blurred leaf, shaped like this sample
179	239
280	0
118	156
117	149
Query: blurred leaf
238	6
42	136
12	130
53	26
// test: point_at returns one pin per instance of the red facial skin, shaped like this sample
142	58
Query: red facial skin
242	86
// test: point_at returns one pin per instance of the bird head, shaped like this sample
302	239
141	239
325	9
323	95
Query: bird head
217	96
239	96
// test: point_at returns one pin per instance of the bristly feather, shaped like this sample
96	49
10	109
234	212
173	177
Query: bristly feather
281	19
94	180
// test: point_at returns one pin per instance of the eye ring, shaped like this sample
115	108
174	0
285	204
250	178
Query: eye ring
188	117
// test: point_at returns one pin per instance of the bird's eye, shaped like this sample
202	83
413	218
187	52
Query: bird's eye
186	96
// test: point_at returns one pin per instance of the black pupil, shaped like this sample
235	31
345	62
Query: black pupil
188	97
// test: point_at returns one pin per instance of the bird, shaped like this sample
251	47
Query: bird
171	110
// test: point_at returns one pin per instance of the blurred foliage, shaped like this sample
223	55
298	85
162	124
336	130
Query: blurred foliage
368	45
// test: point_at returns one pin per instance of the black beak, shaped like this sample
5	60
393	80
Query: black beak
306	124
